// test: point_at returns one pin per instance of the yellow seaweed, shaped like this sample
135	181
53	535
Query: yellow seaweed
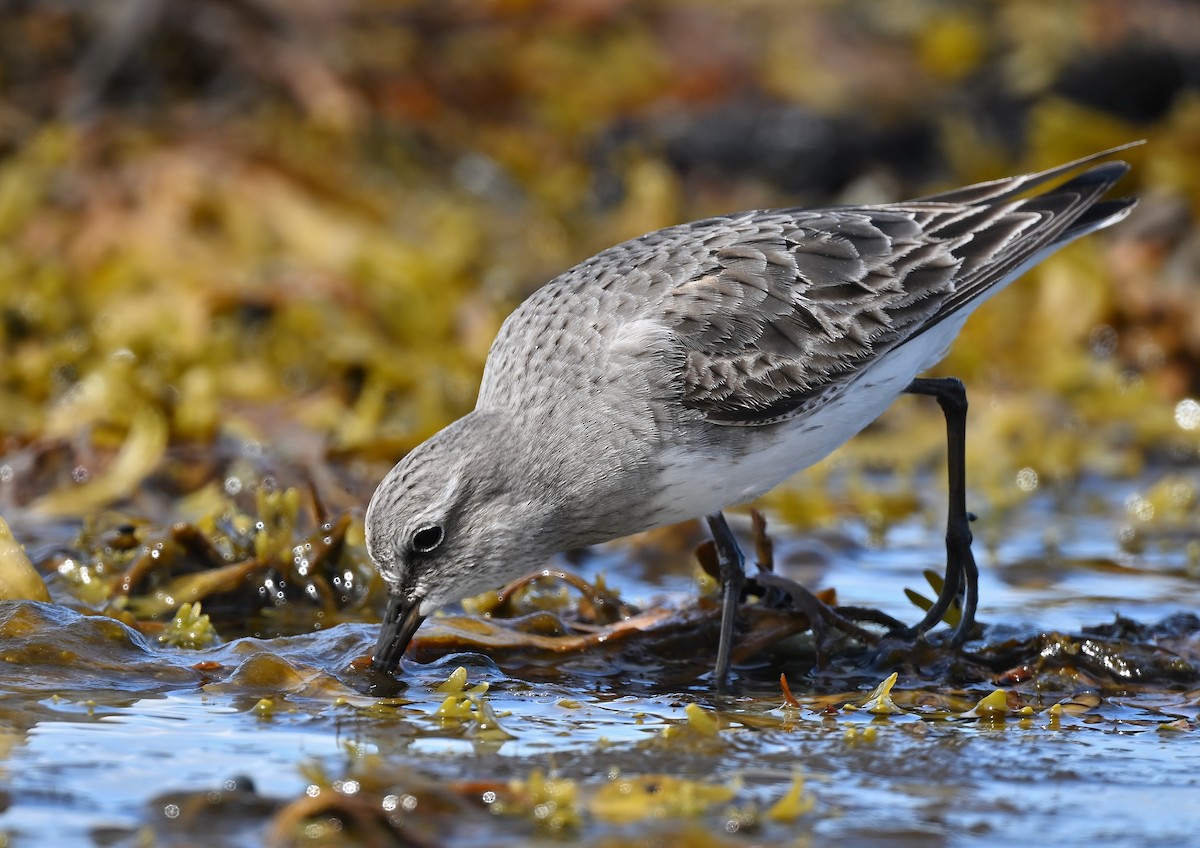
795	803
19	580
191	588
880	702
189	629
657	796
552	802
469	707
139	455
992	706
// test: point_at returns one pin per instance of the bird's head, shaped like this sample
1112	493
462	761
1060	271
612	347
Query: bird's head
453	518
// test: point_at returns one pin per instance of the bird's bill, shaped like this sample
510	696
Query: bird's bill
400	622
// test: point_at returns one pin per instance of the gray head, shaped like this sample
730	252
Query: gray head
453	518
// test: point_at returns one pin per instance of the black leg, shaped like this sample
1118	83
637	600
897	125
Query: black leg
733	576
962	574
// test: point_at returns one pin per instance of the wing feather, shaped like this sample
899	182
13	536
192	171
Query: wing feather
798	303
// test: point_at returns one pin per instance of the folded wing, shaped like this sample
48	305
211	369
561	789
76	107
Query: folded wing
802	301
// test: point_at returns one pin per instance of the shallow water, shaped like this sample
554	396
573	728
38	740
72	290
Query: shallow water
111	739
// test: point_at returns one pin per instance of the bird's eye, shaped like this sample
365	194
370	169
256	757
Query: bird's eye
427	538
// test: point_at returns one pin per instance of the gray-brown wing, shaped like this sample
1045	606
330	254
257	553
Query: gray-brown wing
801	301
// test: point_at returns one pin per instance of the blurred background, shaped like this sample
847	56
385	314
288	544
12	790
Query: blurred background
253	251
249	242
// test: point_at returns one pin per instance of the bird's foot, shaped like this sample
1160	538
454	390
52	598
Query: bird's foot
823	619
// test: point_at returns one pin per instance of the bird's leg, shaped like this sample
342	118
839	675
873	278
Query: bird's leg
962	574
733	575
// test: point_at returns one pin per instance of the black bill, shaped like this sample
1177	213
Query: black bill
400	622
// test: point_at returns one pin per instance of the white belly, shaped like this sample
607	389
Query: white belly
701	483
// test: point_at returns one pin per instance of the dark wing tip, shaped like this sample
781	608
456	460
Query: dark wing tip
1009	187
1100	215
1106	172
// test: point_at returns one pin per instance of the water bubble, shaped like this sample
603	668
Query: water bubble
1129	381
1181	494
1139	507
1150	356
1187	414
1103	341
1027	479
